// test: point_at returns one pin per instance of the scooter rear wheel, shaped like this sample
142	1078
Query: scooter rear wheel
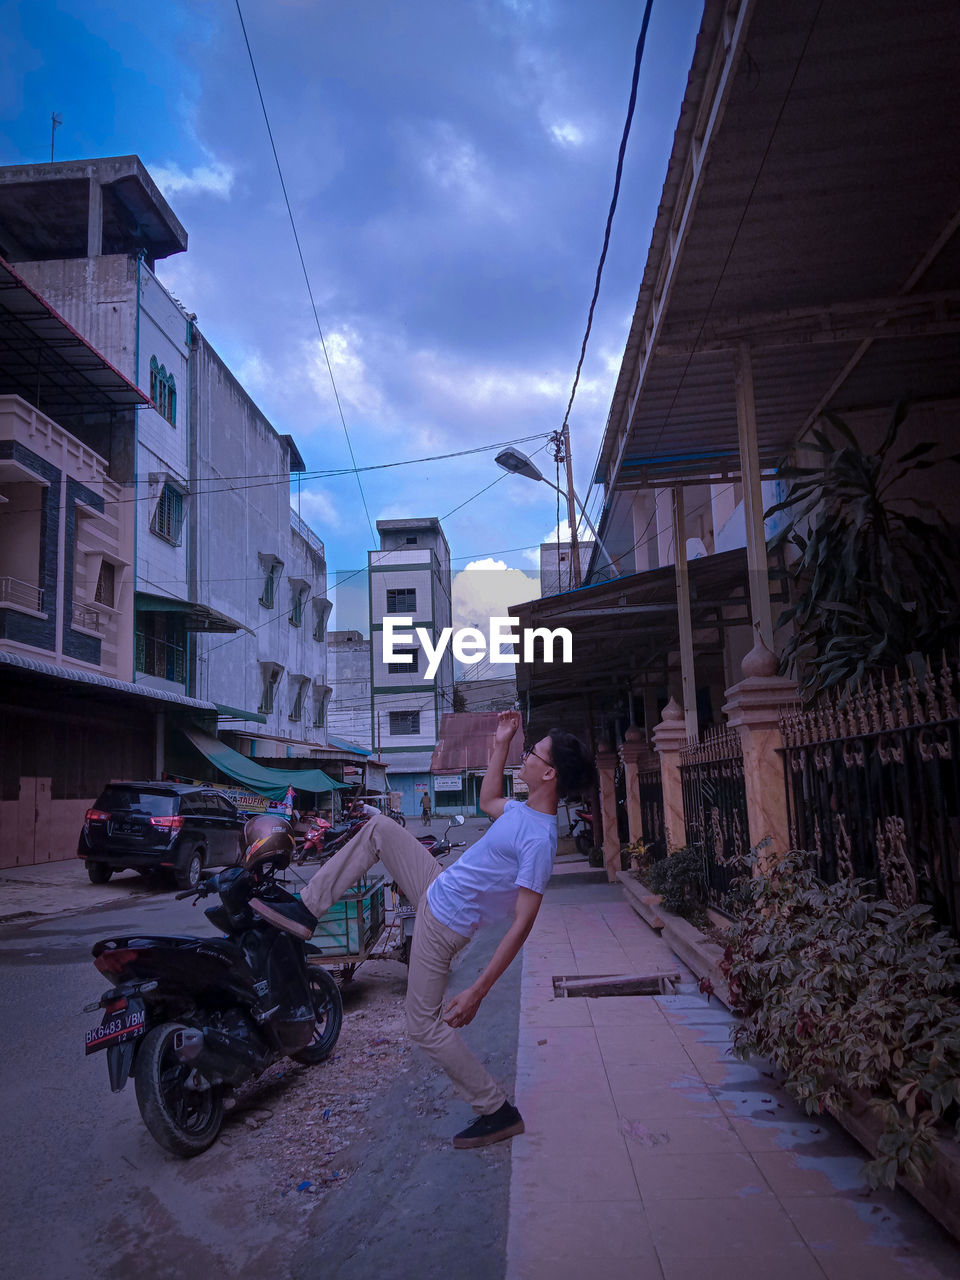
328	1011
182	1120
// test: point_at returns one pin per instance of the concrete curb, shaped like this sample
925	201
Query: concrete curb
697	953
940	1193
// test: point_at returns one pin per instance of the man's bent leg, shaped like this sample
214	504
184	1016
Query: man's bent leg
380	839
434	946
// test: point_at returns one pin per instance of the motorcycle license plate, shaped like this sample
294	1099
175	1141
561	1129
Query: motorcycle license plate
126	1024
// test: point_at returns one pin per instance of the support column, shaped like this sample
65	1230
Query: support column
159	745
688	677
668	737
610	837
95	220
634	747
753	709
753	497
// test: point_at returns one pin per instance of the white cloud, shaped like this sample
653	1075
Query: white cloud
455	165
559	531
317	508
566	133
206	179
354	385
487	589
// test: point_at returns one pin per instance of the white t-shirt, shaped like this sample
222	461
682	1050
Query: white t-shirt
481	886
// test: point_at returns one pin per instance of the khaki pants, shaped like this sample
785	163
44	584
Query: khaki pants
434	946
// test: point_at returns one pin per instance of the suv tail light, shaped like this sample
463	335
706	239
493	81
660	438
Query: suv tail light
95	815
167	824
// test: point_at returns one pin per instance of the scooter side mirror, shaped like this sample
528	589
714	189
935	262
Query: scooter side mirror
458	820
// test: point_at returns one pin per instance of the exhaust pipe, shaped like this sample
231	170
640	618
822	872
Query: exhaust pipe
218	1058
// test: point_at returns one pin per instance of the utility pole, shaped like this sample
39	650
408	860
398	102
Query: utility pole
378	737
571	508
55	123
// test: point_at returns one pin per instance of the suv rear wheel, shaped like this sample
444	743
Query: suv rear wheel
187	874
99	872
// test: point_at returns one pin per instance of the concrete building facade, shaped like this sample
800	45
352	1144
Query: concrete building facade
230	585
409	577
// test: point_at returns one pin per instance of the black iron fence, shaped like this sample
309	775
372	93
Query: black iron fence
650	784
715	806
873	788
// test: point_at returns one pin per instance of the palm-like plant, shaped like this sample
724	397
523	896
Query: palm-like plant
877	582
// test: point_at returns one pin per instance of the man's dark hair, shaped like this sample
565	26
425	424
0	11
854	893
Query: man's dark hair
573	762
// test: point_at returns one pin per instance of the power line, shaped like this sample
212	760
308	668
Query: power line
638	58
306	275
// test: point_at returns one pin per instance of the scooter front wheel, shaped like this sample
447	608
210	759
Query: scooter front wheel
328	1011
181	1118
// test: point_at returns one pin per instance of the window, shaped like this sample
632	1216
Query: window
296	711
106	590
167	520
298	600
403	723
319	705
163	391
405	668
161	646
272	672
272	568
411	542
401	600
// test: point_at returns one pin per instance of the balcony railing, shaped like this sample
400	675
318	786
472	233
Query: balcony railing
88	618
305	532
23	594
160	658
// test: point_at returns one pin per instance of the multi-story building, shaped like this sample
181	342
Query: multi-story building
72	716
230	586
409	578
349	713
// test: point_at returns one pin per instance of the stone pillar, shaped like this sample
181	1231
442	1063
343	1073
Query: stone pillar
634	749
606	772
668	737
753	709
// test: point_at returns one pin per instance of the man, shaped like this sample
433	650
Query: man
425	808
504	874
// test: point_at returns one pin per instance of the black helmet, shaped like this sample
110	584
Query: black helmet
266	839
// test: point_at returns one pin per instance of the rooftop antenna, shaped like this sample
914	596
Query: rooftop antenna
55	123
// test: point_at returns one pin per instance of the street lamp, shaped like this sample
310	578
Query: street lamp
519	464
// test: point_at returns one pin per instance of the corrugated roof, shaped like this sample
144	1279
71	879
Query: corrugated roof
466	742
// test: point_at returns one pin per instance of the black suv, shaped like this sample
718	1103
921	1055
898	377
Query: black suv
153	826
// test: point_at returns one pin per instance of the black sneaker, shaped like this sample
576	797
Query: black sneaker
504	1123
292	917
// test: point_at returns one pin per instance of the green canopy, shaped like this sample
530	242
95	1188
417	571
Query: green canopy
272	783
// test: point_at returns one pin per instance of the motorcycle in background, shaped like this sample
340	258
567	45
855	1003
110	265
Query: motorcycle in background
581	829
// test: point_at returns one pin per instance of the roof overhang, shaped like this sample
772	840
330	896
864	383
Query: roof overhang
101	686
197	617
625	634
46	362
809	216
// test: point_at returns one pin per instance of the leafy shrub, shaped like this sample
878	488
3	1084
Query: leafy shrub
847	994
680	880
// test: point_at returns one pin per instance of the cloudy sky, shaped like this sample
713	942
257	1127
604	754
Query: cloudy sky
449	163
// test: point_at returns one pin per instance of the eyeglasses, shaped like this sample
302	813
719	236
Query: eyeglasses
530	752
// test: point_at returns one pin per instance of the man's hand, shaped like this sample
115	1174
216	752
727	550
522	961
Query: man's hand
462	1009
508	722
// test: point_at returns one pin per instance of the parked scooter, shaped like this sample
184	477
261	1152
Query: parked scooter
191	1018
582	831
310	847
438	847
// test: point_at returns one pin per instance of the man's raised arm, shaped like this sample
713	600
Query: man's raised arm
492	799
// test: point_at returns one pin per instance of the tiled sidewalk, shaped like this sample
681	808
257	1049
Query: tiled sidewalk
651	1153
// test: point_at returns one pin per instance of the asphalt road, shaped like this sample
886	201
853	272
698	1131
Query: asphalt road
87	1193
